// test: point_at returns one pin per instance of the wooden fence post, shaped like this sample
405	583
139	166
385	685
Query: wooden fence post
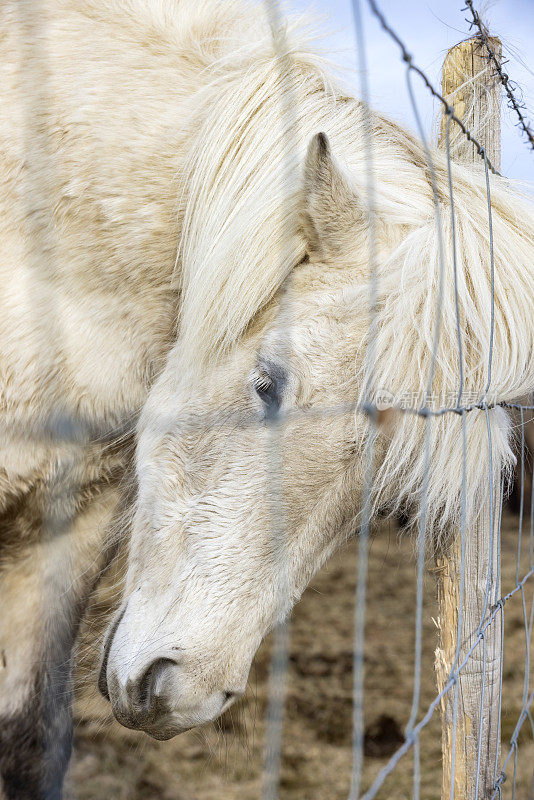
470	86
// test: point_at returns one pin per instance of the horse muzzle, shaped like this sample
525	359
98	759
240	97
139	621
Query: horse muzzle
150	687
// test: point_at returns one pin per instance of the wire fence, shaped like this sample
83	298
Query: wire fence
494	602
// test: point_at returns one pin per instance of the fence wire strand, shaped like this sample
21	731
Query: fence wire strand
370	361
274	457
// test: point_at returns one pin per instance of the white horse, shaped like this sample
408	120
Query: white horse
180	243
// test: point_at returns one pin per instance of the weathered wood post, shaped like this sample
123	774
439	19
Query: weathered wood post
470	751
471	87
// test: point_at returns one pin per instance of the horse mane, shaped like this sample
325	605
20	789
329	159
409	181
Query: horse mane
410	307
241	238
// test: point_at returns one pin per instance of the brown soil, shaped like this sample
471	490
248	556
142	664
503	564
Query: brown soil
223	761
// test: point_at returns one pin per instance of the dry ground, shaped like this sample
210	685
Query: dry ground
223	761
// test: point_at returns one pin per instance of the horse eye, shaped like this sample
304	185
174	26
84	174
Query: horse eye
267	390
269	381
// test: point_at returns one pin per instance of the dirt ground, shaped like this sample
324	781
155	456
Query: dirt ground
223	761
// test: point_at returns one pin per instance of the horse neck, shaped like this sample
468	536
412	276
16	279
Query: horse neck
90	228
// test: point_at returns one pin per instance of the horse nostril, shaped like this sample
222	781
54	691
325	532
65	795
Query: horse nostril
102	675
103	684
143	690
228	696
143	694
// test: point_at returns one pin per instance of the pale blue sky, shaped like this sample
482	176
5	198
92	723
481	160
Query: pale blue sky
429	28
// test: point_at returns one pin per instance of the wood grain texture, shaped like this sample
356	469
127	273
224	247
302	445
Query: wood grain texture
471	746
471	87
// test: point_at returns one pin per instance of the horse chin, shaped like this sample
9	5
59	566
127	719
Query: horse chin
168	727
163	734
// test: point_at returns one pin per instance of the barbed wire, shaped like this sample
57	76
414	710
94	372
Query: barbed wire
449	110
509	85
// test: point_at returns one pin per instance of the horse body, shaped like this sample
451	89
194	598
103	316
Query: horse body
93	134
153	210
93	131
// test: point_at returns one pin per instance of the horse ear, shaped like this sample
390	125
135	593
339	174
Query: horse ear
332	212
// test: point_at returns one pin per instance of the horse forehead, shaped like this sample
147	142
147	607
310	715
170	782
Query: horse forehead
327	318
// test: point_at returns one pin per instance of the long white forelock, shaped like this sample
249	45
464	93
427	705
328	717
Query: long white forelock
234	250
244	178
